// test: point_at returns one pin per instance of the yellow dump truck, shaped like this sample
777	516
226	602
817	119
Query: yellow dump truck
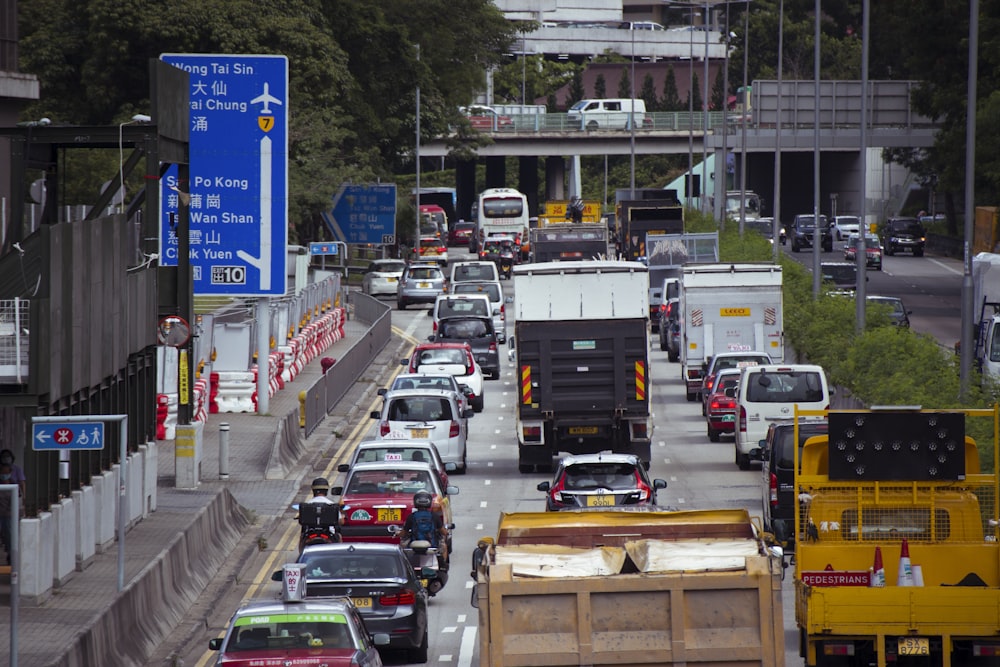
629	588
898	561
556	211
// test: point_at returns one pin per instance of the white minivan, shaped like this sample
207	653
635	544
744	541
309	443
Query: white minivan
770	392
607	114
475	270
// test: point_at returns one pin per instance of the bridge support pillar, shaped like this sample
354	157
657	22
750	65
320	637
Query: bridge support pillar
465	188
527	181
496	172
555	177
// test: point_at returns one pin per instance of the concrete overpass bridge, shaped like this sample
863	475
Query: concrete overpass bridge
553	137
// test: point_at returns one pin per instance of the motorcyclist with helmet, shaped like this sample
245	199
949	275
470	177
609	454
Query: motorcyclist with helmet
322	508
425	524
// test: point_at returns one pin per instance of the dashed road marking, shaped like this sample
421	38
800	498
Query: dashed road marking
468	646
483	503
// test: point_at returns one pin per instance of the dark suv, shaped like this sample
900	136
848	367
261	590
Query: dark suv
803	229
478	333
903	234
778	494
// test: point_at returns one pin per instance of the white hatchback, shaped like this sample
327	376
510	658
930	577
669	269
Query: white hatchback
427	414
382	276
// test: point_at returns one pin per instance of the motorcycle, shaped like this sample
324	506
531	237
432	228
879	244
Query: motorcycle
319	524
506	263
426	561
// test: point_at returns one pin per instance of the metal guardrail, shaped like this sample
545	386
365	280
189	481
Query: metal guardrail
14	341
331	387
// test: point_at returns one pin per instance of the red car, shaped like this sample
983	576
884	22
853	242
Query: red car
379	494
720	408
461	233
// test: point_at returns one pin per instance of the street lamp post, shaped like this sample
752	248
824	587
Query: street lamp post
631	122
817	231
704	129
776	227
743	122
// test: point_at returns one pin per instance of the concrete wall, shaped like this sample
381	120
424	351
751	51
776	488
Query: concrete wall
58	543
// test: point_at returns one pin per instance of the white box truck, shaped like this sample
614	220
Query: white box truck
986	309
728	308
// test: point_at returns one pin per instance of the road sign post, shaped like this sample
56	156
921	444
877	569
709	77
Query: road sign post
238	192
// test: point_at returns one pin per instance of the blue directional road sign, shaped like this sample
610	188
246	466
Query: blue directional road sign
53	436
239	175
323	249
364	214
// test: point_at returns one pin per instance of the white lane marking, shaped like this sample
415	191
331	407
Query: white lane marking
469	584
461	618
487	482
680	501
496	431
450	628
468	646
489	464
413	326
494	446
482	503
666	460
661	443
946	267
674	479
479	526
500	418
445	657
503	405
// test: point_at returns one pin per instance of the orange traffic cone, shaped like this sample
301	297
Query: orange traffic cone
877	573
905	577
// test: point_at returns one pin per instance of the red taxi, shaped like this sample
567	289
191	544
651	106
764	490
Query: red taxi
379	494
720	405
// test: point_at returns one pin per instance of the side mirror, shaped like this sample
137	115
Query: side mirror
508	299
451	490
381	639
404	362
755	454
344	467
544	486
375	414
659	483
336	490
216	643
762	443
431	338
450	467
468	412
430	313
428	573
510	343
382	391
276	575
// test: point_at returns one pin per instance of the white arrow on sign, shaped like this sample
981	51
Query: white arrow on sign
42	436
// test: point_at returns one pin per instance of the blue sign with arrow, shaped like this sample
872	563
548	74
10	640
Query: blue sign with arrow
238	195
364	214
55	436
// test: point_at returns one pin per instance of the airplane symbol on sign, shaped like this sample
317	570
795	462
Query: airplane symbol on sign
63	436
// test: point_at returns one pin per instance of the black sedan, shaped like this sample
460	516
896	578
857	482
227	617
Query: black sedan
478	332
382	584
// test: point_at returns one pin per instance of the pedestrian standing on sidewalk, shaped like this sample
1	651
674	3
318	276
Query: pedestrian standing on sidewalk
6	477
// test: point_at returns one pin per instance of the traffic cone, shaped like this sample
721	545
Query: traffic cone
877	572
905	577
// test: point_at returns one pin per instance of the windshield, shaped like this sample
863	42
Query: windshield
424	273
601	475
785	387
464	329
452	355
808	222
503	208
420	408
841	274
449	307
907	227
283	631
491	290
389	267
579	105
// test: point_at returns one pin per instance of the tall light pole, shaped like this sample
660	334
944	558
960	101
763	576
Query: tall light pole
689	186
723	169
817	232
631	121
743	122
417	153
776	229
861	252
970	165
704	129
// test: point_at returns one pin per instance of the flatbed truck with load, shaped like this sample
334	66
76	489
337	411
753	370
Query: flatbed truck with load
625	588
580	345
897	561
639	218
728	308
986	297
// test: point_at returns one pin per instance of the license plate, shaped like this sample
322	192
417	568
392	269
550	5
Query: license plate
600	501
423	285
391	280
362	603
914	646
389	514
583	430
419	433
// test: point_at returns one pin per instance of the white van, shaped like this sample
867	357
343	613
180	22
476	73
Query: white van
607	114
770	392
452	305
463	271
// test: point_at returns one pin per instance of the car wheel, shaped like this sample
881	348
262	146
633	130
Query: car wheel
673	356
525	468
691	397
742	460
663	346
795	246
889	251
918	252
713	435
478	404
419	654
400	304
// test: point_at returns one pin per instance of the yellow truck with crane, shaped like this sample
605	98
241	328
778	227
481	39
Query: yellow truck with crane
897	561
628	588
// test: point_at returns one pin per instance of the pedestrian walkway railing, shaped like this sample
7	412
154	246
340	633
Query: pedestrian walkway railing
14	340
338	379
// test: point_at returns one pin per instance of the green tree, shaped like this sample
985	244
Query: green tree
625	84
671	100
718	94
648	93
600	86
694	95
576	91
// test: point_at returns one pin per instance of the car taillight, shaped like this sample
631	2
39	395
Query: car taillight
709	381
434	326
398	598
773	484
532	433
557	490
383	429
743	419
663	309
694	373
454	430
639	429
503	312
493	347
645	493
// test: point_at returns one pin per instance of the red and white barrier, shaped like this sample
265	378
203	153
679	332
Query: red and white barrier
236	391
